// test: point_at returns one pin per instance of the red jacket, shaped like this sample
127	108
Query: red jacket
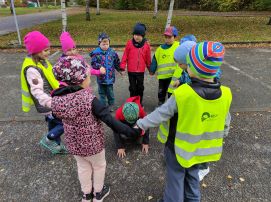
136	59
135	99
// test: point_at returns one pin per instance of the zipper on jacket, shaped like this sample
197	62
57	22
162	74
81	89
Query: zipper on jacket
138	59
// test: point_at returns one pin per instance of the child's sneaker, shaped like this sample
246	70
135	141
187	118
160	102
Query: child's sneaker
87	197
99	196
203	173
52	146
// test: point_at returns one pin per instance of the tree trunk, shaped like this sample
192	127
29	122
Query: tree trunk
87	10
11	9
155	9
269	23
170	11
38	2
64	15
98	8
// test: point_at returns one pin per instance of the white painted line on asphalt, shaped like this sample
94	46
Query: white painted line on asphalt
247	75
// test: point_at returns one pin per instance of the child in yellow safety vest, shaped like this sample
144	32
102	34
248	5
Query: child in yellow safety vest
198	113
181	76
164	64
37	82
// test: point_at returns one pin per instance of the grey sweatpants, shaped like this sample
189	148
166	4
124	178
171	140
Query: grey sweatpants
182	184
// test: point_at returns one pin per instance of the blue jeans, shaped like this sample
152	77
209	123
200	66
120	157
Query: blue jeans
182	184
106	91
55	128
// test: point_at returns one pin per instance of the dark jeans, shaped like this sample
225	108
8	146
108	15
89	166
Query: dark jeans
136	80
106	91
55	128
162	90
182	184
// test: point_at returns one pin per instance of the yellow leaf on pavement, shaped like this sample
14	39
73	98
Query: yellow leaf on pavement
229	177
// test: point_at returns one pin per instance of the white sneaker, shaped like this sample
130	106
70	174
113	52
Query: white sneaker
203	173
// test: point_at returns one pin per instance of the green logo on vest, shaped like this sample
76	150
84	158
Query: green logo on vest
208	116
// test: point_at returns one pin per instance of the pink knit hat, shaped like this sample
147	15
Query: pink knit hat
66	41
36	42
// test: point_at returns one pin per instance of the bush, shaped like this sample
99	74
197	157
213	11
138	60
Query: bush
261	5
81	2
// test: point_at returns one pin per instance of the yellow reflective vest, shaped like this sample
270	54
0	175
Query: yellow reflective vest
177	74
27	100
200	126
165	61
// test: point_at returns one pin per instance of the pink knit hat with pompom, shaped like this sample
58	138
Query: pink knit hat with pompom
35	42
66	42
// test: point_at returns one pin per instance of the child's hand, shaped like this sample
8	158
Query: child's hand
176	84
102	70
145	148
121	153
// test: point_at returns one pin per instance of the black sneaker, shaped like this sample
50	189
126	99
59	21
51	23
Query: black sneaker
99	196
87	197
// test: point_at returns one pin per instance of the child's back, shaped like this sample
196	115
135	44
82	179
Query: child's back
83	131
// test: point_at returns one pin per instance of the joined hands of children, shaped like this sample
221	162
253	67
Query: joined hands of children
122	72
102	70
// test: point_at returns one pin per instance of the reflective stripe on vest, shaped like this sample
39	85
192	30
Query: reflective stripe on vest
27	100
177	74
163	130
200	126
165	61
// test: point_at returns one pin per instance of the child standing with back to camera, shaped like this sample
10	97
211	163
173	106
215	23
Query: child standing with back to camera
82	115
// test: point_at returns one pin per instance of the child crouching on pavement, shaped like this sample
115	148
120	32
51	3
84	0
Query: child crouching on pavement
128	114
37	82
82	115
201	119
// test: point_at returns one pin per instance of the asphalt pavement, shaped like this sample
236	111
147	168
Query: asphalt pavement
30	173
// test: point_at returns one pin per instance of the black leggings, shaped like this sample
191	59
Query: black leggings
136	80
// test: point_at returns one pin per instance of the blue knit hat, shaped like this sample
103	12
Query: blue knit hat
130	112
205	58
188	37
102	36
182	50
140	29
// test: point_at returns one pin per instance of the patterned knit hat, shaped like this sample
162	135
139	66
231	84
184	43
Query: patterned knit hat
102	36
130	112
205	58
70	70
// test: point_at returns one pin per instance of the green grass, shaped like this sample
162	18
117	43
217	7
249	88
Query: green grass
22	11
119	26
